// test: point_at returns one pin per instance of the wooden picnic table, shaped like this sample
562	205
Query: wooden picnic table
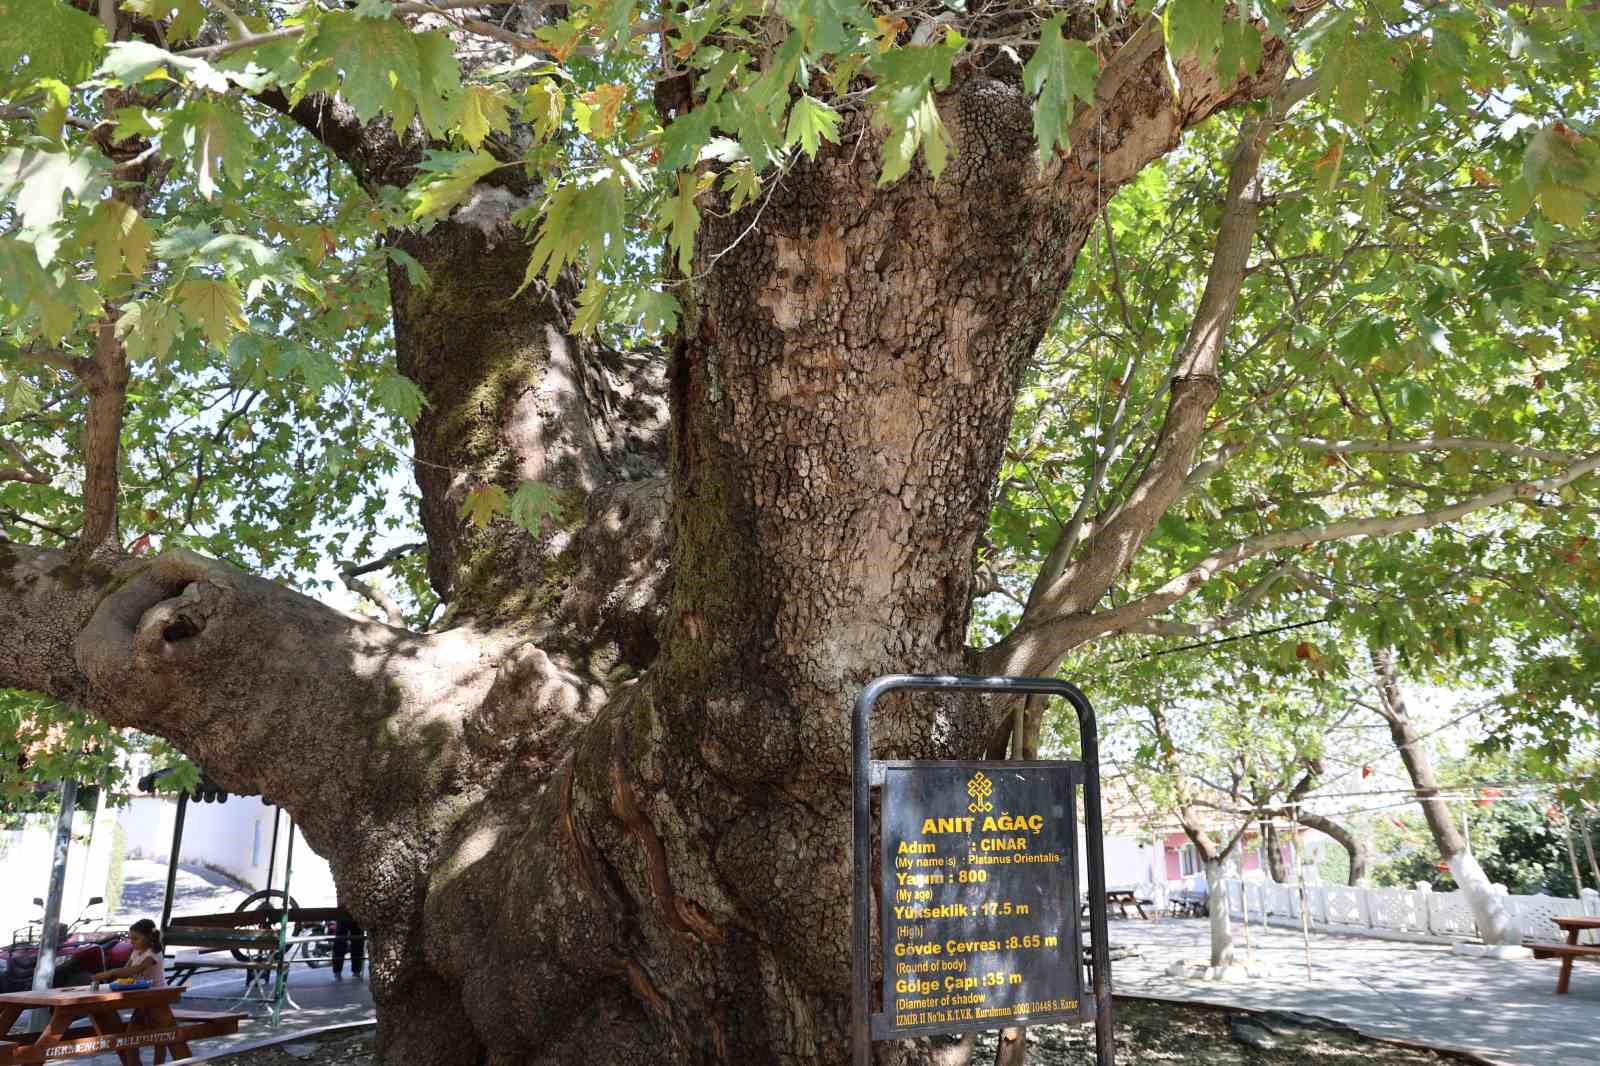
1571	950
1121	896
84	1022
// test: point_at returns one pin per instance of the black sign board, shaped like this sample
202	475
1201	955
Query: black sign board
980	897
979	923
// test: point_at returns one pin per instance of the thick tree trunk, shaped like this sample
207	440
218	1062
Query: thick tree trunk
602	815
1495	924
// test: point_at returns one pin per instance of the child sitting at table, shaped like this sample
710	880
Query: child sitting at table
146	963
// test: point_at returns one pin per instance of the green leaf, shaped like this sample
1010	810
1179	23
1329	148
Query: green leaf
828	25
378	59
212	304
578	217
121	239
47	39
1240	52
416	273
131	62
135	122
810	123
543	105
591	307
483	502
439	99
653	312
682	218
923	127
1564	204
17	396
315	367
146	330
1059	72
1414	398
483	110
209	136
531	503
683	138
453	176
182	18
1561	169
40	180
1193	27
399	396
742	183
53	113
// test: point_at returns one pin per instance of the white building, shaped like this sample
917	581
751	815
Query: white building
233	838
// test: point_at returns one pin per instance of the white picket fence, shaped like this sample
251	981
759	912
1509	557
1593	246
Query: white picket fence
1399	913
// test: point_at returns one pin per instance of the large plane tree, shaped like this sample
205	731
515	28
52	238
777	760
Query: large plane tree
708	323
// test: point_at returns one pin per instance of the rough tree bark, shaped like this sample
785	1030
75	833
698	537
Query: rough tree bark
601	813
1495	924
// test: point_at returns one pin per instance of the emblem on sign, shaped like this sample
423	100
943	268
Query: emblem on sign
980	788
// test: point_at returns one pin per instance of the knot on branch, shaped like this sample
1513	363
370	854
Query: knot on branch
155	614
534	705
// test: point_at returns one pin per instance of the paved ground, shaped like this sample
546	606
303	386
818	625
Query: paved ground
1505	1011
198	890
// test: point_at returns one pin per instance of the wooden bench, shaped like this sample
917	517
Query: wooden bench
1567	953
217	938
1574	926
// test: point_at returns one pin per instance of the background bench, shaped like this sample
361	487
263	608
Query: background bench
1567	953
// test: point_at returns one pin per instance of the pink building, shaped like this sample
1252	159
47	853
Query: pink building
1182	861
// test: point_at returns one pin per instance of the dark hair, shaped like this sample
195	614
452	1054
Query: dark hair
147	929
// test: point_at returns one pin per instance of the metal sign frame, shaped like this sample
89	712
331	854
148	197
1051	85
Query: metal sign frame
867	773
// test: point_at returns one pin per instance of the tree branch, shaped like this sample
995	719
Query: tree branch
351	576
1426	444
1238	609
1038	646
72	364
240	44
1194	388
24	471
106	376
15	518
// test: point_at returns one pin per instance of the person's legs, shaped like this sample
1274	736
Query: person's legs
341	945
358	949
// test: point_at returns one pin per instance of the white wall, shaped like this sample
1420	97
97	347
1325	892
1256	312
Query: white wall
234	837
1128	862
25	856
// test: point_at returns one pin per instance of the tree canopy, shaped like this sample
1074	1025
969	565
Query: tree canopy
657	373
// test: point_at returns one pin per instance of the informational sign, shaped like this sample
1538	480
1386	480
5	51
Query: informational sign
979	896
977	883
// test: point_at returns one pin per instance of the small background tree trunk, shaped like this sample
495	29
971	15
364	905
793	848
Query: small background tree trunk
1354	846
1217	905
1274	850
1488	913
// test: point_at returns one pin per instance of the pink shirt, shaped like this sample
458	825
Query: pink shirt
149	966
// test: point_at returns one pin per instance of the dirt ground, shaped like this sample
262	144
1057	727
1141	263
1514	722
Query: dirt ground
1148	1033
